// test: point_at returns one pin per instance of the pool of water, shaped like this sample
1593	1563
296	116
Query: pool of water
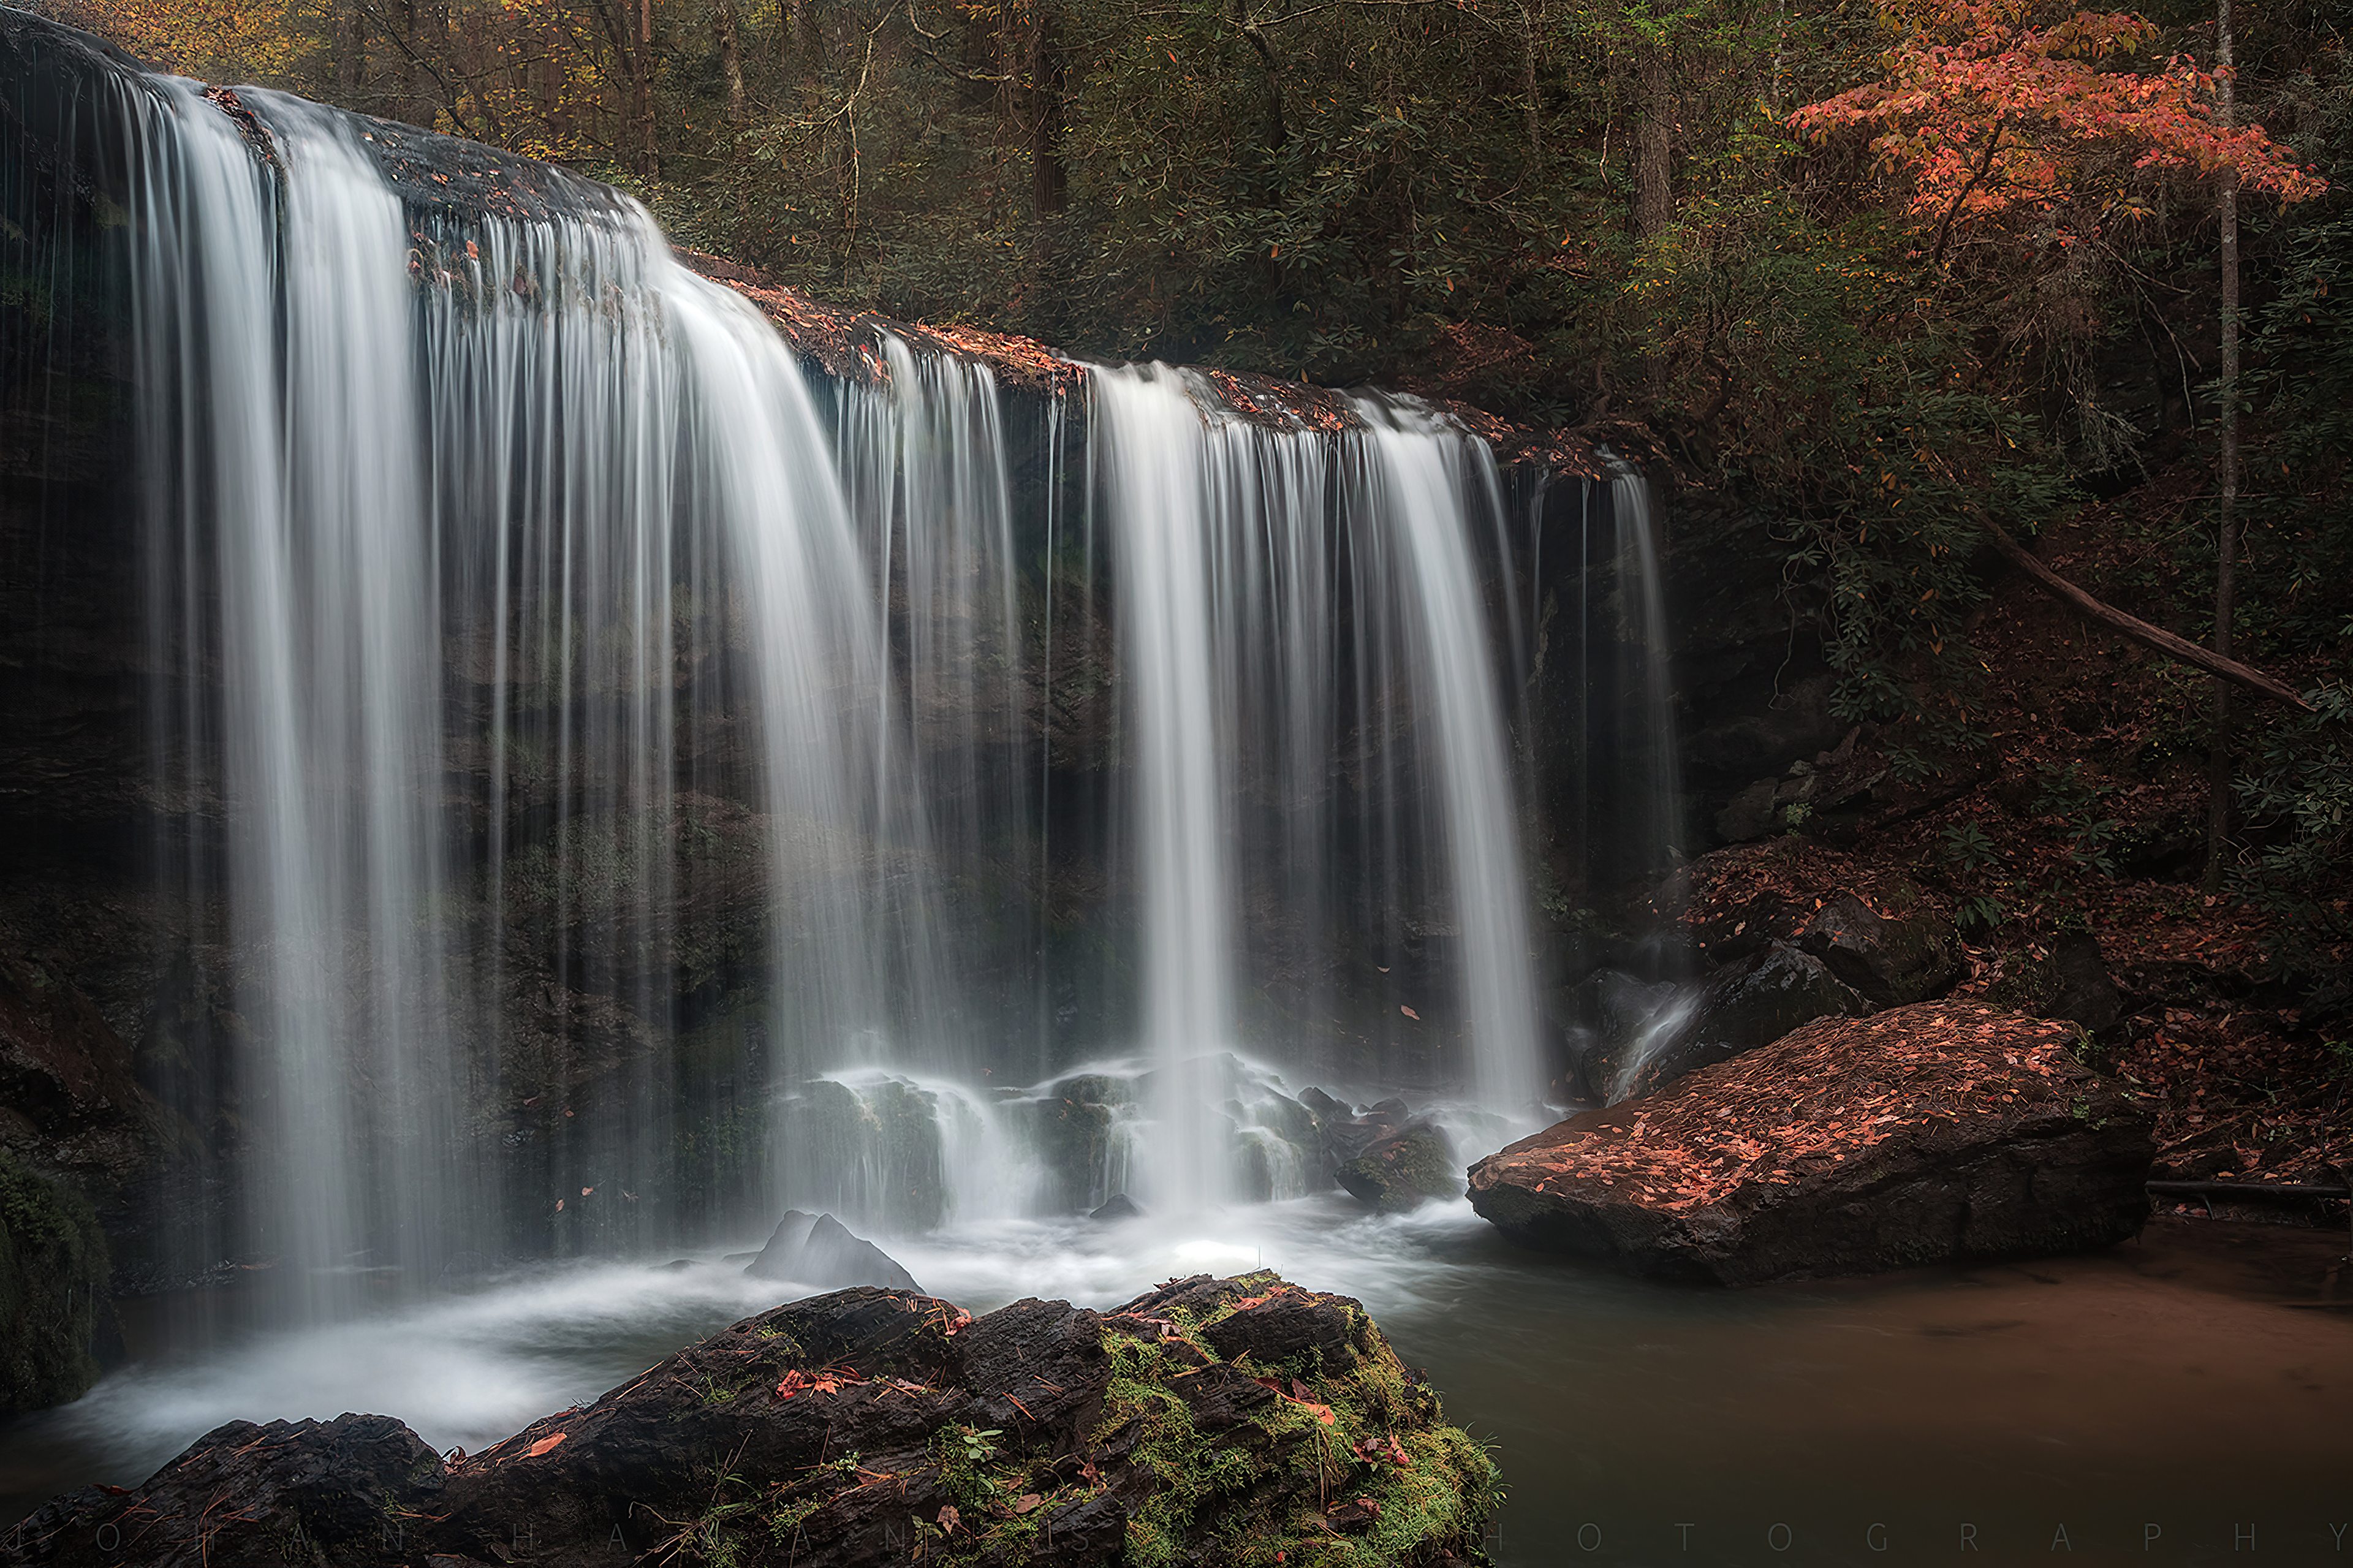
2157	1403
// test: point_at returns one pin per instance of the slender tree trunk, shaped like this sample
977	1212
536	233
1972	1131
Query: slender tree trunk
646	156
1530	27
350	53
730	60
408	102
2218	764
1654	202
1049	177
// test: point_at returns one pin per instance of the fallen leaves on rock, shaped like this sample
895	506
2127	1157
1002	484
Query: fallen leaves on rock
1828	1091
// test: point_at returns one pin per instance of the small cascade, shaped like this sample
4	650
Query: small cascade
1657	784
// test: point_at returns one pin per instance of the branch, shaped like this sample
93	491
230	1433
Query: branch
1944	228
2138	630
449	95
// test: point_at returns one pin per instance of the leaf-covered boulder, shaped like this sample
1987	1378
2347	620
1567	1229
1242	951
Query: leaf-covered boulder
1244	1422
1852	1145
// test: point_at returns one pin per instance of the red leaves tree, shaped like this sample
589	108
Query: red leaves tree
1993	118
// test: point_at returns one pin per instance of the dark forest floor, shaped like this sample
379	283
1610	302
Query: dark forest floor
2083	808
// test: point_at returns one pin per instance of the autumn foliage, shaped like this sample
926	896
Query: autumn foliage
1990	116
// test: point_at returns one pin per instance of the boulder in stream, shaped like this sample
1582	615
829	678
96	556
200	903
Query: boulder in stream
867	1428
1404	1169
819	1249
1934	1132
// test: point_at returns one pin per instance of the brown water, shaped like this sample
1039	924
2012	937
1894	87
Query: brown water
2158	1386
1948	1415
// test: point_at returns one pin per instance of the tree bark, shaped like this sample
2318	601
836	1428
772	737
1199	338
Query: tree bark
1530	28
1654	204
2132	626
646	155
350	53
2226	206
730	60
1049	177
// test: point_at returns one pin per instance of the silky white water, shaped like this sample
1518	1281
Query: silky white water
658	785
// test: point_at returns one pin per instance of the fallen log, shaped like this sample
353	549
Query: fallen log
2251	1190
2132	626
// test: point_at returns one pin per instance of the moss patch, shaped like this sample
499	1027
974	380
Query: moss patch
53	1283
1350	1462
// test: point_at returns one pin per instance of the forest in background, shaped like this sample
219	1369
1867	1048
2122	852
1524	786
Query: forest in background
1858	282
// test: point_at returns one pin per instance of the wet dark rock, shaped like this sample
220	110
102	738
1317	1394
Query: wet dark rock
1119	1205
1890	960
55	1317
1738	1008
1346	1134
861	1429
819	1249
70	1102
1603	1018
357	1490
2072	982
1404	1169
1323	1105
1934	1132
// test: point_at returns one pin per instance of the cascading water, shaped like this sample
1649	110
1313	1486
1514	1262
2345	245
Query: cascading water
1226	534
540	469
660	783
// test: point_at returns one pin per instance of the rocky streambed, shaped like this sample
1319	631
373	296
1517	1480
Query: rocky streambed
1231	1420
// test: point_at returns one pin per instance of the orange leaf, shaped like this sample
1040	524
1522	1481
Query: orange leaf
543	1446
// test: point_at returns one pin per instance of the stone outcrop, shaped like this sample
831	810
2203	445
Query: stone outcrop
1930	1133
867	1427
820	1250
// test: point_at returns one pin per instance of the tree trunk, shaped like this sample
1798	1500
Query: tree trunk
350	53
1049	177
2132	626
730	60
1654	202
2226	204
1530	28
645	156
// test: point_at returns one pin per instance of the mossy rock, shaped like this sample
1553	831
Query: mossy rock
1243	1423
1405	1170
53	1292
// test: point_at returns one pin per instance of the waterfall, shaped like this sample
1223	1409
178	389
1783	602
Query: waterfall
1224	531
634	781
